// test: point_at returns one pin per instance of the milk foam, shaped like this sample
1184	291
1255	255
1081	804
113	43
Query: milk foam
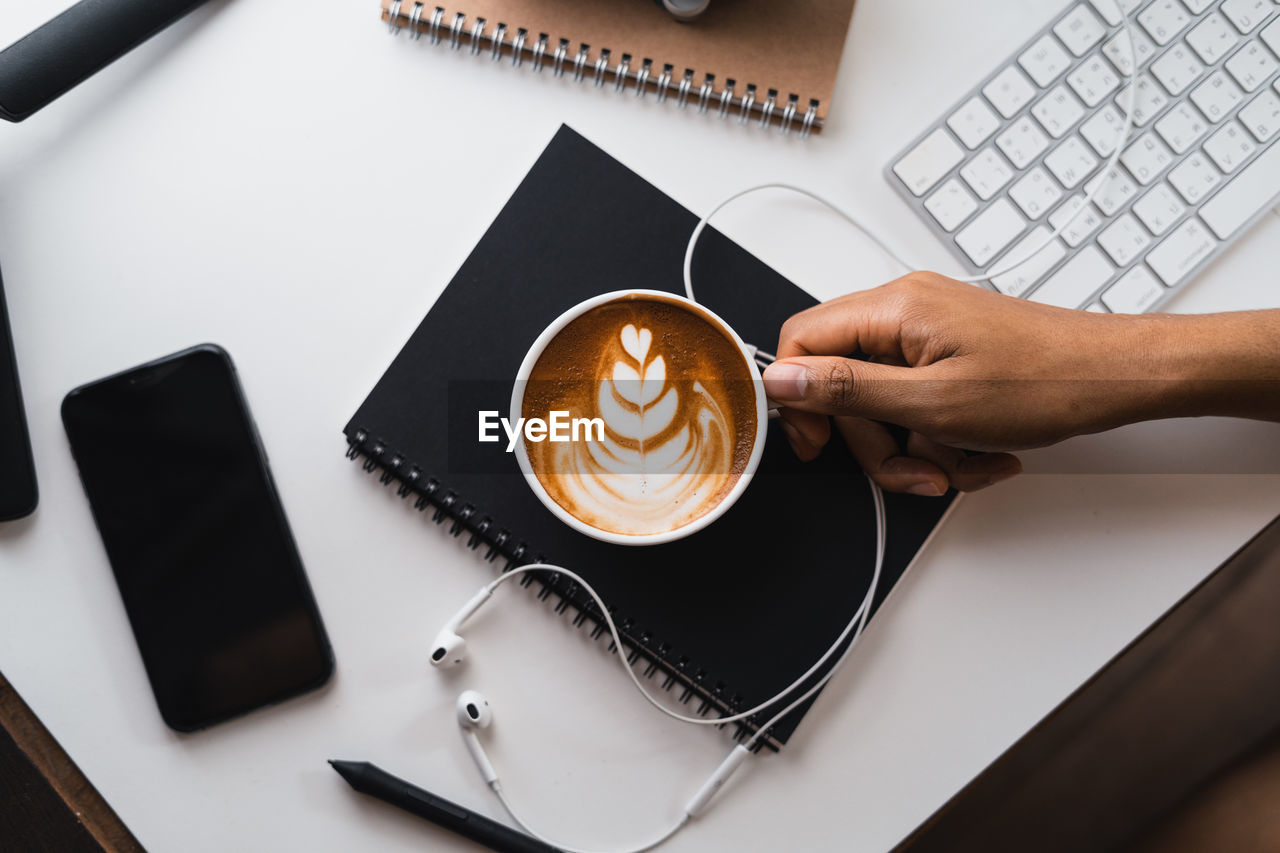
670	449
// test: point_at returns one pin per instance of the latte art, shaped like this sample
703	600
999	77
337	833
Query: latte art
672	435
678	405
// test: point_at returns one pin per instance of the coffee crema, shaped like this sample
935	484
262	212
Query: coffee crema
678	403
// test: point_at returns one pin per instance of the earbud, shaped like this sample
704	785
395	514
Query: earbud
474	713
449	649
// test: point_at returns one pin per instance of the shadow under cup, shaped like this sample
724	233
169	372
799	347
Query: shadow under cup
644	417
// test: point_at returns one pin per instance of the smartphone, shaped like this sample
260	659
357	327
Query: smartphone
17	470
178	483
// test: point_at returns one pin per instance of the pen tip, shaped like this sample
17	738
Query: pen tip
349	770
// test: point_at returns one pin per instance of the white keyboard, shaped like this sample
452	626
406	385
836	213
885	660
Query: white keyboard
1009	163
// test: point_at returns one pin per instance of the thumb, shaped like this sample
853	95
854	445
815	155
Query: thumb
844	386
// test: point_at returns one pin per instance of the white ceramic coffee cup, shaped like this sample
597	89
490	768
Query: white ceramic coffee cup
522	455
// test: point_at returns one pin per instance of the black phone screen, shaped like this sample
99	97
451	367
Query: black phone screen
196	536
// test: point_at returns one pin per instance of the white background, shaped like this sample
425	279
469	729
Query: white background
292	182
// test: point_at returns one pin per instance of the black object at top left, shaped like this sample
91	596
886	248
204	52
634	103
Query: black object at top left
53	59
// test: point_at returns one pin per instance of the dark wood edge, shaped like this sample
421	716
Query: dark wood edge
1227	582
71	785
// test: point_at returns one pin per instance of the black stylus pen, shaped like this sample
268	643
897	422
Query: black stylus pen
371	780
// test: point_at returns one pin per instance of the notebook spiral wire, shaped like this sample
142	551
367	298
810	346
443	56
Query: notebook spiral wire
750	105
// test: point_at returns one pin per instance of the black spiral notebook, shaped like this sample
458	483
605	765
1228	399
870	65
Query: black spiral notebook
726	617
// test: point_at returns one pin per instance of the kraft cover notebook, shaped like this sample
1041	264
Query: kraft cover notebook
728	616
761	61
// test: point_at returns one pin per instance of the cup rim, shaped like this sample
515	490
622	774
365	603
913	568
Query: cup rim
753	462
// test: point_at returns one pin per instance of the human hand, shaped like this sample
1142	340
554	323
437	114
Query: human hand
960	367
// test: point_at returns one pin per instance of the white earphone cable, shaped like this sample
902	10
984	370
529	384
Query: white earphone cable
855	625
1126	126
864	611
859	618
649	845
835	208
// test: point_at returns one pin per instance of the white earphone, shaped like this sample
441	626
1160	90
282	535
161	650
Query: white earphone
474	712
449	648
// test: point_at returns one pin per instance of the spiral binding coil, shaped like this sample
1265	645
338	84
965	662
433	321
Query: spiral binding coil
482	530
520	47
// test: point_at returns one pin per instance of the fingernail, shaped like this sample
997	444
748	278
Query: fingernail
925	488
785	382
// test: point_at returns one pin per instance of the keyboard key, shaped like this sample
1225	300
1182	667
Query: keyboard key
1182	127
1012	165
1135	292
1071	162
1044	60
1230	146
1009	91
1217	96
1116	190
1093	80
1101	130
1164	19
973	123
1111	13
1252	65
1109	10
1255	188
1035	193
1124	240
1147	158
1149	100
1178	68
1016	281
927	163
1076	280
1262	116
951	205
986	173
1184	248
1159	209
1022	142
1271	35
1117	50
1194	177
1081	226
1213	38
1080	30
1058	111
990	231
1247	14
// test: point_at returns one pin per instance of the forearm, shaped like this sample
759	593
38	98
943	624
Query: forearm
1212	364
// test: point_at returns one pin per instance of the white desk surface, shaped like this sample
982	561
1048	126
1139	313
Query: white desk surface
299	189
